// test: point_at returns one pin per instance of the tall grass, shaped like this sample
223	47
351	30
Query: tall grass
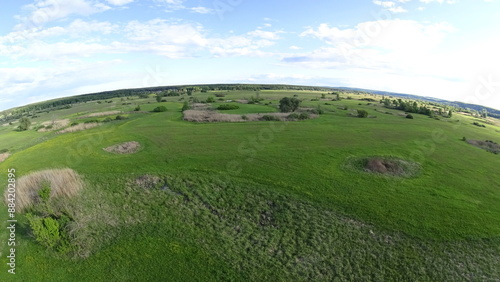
63	183
79	127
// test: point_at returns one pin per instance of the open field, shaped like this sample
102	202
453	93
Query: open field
264	200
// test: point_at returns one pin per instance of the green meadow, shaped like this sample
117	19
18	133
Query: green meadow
263	200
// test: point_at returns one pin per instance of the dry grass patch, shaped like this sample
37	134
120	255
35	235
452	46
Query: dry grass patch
487	145
384	165
101	114
213	116
4	156
54	125
63	183
79	127
124	148
148	181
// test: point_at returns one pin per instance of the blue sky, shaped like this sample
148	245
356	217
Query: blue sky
55	48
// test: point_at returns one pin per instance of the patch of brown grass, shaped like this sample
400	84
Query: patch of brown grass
63	183
147	181
213	116
4	156
124	148
56	125
487	145
101	114
79	127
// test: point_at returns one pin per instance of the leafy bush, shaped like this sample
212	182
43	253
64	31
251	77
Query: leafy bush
4	151
303	116
90	121
119	117
24	124
293	116
108	119
185	106
73	123
220	95
409	116
270	118
49	126
228	107
478	124
160	109
244	117
289	104
44	229
138	108
210	100
362	114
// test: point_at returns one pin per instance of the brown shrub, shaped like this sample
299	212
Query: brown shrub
63	183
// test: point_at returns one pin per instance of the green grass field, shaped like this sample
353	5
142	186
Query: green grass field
263	201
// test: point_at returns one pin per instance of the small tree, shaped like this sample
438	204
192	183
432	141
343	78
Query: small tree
158	98
210	99
289	104
138	108
185	106
362	114
450	114
24	124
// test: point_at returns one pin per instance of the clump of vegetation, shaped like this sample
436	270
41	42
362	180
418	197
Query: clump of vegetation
224	107
289	104
409	116
487	145
4	151
120	117
108	119
74	123
160	109
90	121
270	118
138	108
478	124
220	95
362	114
384	165
185	106
210	100
244	117
24	124
304	116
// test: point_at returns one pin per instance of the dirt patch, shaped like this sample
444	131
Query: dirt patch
487	145
124	148
101	114
79	127
54	125
4	156
213	116
384	165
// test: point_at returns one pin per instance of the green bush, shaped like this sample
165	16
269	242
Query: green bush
160	109
4	151
91	121
108	119
44	192
270	118
138	108
210	100
228	107
303	116
119	117
293	116
185	106
244	117
409	116
362	114
45	230
74	123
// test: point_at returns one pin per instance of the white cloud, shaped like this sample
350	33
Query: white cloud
44	11
119	2
202	10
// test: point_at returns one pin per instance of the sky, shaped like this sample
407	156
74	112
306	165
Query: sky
435	48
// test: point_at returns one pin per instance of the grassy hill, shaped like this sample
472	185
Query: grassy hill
259	200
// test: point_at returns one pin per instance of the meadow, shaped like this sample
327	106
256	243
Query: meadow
263	200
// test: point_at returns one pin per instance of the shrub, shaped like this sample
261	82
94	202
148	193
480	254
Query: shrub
185	106
39	127
119	117
220	95
210	100
44	229
49	126
362	114
244	117
289	104
464	139
24	124
138	108
4	151
409	116
270	118
160	109
303	116
293	116
74	123
88	121
108	119
228	107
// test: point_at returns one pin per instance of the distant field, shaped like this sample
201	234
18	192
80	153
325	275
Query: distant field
266	200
